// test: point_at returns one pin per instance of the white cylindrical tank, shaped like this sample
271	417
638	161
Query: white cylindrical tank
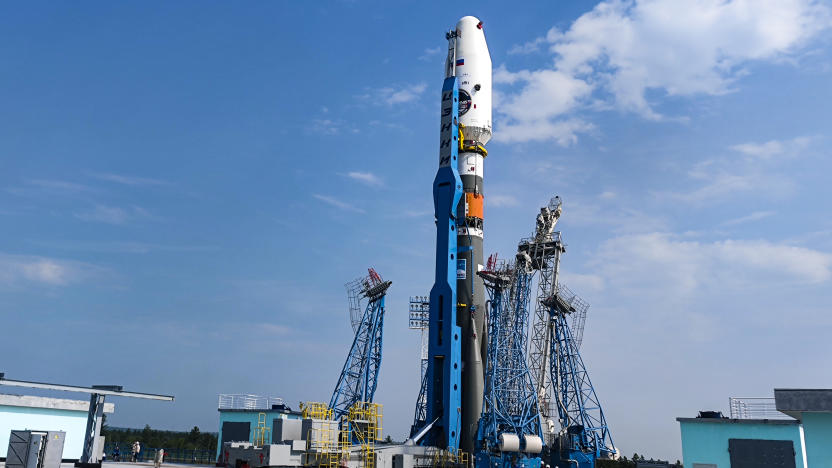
472	66
509	442
533	444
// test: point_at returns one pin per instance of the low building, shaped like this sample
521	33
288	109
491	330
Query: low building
813	409
719	442
245	418
791	430
24	412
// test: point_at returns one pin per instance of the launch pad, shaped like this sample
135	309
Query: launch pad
490	394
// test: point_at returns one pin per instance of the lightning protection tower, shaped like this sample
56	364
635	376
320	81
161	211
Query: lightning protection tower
359	376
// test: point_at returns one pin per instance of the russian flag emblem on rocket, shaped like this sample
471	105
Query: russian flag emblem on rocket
460	62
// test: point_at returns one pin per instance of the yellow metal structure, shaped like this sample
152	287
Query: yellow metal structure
448	458
330	447
324	442
477	148
364	423
261	431
315	410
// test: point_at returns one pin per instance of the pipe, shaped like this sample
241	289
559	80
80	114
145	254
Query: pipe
416	438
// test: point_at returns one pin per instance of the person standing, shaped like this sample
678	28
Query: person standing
137	448
159	458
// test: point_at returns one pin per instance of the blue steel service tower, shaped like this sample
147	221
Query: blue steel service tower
509	432
359	376
585	436
444	352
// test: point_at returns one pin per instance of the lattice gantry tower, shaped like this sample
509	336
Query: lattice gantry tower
544	249
419	319
359	376
510	421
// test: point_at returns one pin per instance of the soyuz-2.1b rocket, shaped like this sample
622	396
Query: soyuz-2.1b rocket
457	333
469	60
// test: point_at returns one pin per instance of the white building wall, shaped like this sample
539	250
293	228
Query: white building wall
46	414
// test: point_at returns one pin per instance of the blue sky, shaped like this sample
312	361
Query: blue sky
185	188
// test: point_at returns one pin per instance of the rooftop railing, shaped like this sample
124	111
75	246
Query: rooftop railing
754	408
247	401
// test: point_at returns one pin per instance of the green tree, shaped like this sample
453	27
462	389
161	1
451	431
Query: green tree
193	436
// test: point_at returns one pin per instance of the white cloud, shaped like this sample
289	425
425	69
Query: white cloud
680	46
50	187
112	214
331	127
366	178
338	203
662	264
20	269
275	329
128	247
613	212
545	95
59	185
585	283
528	47
430	53
722	184
535	44
499	201
774	148
564	132
614	54
755	216
762	170
127	180
403	94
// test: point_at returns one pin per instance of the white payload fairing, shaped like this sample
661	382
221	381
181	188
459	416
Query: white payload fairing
469	61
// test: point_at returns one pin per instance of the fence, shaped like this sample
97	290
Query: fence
247	401
192	456
754	408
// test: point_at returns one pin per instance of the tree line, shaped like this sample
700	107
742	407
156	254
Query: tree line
624	462
155	438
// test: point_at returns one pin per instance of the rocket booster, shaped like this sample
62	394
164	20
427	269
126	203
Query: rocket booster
469	60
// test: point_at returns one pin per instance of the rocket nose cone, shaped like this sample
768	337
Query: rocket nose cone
472	65
469	21
471	37
469	25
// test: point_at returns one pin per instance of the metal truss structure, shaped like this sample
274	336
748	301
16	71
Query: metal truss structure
359	375
544	249
510	408
561	381
585	435
419	319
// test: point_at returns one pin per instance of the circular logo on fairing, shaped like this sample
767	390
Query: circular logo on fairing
464	101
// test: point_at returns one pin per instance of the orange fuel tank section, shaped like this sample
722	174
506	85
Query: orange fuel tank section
473	205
